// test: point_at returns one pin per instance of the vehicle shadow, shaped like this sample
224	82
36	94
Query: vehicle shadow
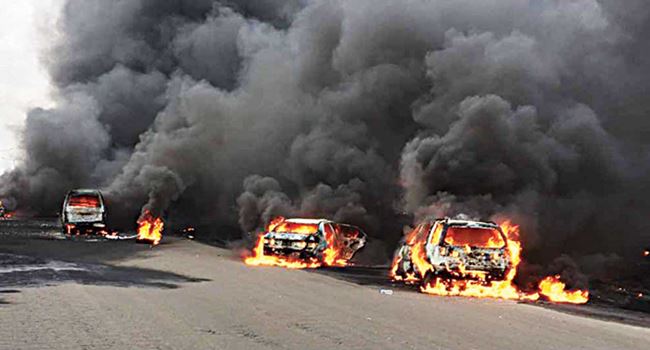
25	271
34	253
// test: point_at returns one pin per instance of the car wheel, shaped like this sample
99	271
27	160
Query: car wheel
429	277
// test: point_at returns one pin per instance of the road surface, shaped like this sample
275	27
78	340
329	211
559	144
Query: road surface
58	294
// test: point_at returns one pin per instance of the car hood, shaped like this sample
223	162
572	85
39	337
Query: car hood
288	235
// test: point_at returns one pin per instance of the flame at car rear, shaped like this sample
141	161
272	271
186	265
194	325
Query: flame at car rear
150	228
479	286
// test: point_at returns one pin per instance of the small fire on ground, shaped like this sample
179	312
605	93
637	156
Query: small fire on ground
150	228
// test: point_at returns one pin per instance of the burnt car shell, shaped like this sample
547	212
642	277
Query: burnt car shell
84	212
306	238
458	261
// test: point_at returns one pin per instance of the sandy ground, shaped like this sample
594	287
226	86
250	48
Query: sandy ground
57	294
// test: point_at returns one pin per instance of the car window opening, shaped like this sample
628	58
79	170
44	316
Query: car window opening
474	237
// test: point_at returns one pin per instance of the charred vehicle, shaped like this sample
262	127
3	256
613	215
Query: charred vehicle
456	249
317	240
84	212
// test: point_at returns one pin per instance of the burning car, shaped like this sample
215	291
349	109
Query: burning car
453	249
305	243
471	259
84	212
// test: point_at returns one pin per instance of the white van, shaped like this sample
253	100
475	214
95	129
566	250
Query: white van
84	212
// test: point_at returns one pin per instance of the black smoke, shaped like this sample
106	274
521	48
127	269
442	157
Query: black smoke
231	112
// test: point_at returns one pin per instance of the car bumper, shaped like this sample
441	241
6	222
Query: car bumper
290	248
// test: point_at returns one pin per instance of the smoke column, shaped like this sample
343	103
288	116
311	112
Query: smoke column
231	112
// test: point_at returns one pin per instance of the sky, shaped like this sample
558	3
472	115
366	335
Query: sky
25	27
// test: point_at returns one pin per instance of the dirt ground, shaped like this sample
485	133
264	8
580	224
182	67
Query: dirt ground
62	294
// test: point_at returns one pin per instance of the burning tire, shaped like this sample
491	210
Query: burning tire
150	229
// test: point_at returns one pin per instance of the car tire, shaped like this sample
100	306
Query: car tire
428	277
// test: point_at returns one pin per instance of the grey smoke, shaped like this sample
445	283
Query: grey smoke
232	112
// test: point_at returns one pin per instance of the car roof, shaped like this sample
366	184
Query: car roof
83	191
463	222
307	221
319	221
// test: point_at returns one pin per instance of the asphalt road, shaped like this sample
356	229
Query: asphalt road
58	294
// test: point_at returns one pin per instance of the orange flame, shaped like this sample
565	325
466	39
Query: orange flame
332	255
480	287
416	239
259	259
150	228
552	288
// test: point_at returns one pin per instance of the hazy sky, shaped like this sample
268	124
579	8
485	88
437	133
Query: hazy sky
25	26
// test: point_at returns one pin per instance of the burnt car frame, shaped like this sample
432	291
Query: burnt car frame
84	212
452	260
309	241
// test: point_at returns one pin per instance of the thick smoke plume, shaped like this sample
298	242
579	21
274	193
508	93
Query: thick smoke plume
231	112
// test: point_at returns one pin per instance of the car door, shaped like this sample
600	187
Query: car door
63	217
329	235
351	239
417	235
